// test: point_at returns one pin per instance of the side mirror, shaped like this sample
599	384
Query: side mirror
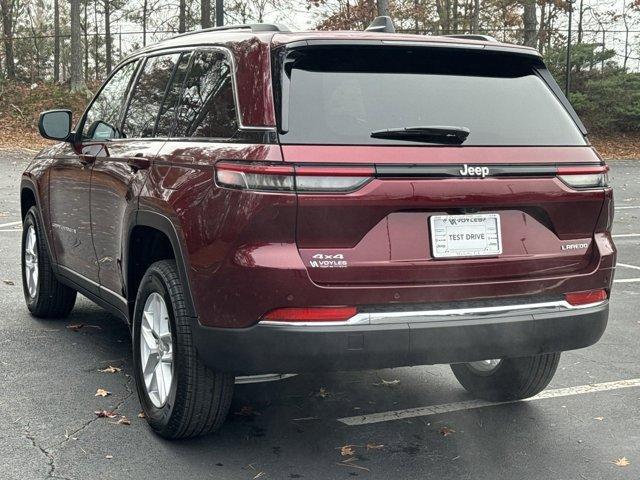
55	125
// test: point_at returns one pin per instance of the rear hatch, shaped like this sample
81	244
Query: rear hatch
423	165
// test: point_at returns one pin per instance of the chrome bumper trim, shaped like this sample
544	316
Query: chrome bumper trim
381	318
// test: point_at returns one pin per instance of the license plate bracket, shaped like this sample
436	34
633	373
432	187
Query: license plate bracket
473	235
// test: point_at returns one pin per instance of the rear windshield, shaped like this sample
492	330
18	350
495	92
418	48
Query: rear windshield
339	95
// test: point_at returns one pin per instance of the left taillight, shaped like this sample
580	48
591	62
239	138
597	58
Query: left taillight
253	176
287	178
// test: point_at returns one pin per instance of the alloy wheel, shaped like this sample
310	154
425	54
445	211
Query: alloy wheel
31	261
484	366
156	349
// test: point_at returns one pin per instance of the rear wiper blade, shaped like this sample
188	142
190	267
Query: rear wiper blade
428	134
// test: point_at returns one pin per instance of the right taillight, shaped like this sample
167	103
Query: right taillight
270	177
584	176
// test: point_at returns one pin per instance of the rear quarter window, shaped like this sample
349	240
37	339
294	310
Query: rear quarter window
340	95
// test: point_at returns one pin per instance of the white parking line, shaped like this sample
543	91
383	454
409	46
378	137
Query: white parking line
627	280
627	266
623	235
627	207
10	224
472	404
12	230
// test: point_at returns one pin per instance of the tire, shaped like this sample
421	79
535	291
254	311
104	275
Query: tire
46	297
193	400
510	379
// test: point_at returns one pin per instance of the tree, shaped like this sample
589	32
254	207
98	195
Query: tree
56	41
7	10
205	13
182	17
529	20
77	78
107	36
383	7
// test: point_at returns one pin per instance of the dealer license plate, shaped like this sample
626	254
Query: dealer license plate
475	235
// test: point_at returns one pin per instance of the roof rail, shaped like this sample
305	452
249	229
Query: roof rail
473	36
254	27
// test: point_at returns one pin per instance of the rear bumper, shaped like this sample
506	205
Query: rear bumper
395	339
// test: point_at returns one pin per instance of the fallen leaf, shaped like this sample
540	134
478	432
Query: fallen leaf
122	421
323	393
622	462
387	383
373	446
247	411
142	415
105	414
101	392
108	457
446	431
109	369
347	450
8	282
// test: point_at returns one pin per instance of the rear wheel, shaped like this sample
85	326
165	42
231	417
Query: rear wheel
46	297
508	378
180	396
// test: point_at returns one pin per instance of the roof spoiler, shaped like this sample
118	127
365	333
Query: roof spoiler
381	24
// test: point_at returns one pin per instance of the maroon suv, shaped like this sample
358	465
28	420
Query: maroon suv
254	201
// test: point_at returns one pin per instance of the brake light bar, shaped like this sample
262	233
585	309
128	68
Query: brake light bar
585	297
310	314
287	178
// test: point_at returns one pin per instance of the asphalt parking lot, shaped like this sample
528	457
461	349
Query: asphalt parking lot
586	423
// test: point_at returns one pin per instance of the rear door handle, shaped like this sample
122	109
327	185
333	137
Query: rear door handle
139	162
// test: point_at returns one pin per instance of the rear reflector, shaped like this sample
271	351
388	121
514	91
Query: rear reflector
311	314
585	298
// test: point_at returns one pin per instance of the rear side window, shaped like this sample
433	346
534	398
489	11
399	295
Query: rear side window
207	108
167	116
103	117
148	95
339	95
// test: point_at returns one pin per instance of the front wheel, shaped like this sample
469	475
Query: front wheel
507	378
180	396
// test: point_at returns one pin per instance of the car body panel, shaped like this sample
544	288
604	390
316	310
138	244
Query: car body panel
243	253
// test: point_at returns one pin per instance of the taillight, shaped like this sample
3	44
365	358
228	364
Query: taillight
310	314
584	176
303	179
586	297
253	176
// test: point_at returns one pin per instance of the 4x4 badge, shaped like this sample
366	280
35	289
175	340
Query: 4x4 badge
468	171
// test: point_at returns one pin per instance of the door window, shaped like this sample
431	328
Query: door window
167	116
208	108
103	117
148	95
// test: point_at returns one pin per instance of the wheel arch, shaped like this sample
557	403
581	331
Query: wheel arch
29	198
157	232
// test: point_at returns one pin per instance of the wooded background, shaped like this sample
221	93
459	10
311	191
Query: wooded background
72	45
